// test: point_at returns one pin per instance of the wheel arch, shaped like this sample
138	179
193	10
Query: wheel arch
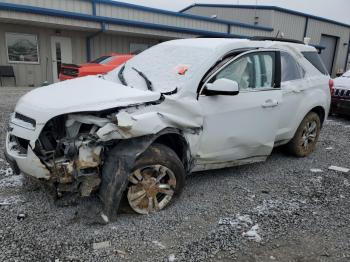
121	158
174	139
320	111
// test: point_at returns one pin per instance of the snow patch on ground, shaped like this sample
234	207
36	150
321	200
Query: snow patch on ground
236	221
11	181
10	200
334	123
252	234
6	172
316	170
274	206
158	244
243	222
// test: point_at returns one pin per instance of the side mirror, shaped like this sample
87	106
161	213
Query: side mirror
222	86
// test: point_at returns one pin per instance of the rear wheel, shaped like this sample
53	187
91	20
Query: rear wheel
157	178
306	136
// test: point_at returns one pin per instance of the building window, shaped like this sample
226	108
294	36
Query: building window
22	48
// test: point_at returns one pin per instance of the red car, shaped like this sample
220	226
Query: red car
101	65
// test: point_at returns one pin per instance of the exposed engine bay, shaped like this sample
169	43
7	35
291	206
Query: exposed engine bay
71	148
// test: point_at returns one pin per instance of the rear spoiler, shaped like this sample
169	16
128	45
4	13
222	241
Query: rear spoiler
70	65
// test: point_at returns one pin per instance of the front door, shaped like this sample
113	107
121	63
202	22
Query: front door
61	49
245	125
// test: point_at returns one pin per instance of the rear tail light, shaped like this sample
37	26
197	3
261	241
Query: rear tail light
68	71
331	86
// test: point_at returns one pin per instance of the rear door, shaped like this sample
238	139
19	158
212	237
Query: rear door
293	87
245	125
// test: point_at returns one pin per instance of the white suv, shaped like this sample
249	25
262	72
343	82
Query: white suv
179	107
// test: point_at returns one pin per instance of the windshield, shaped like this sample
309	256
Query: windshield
167	66
102	60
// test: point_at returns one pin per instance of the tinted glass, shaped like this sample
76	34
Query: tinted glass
102	60
250	71
290	70
316	61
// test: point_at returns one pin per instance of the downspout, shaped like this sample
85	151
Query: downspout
306	26
93	7
90	37
347	57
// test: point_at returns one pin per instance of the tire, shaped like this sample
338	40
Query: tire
157	161
304	141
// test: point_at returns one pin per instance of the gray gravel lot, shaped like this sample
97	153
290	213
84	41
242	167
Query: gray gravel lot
273	211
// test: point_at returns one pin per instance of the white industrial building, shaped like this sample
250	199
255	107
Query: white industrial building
37	35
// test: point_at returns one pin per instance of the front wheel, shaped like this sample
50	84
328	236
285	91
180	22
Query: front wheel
157	178
304	141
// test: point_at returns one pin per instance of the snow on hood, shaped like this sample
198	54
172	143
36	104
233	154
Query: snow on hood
342	82
163	65
91	93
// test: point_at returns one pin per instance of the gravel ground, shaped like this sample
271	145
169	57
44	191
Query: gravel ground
273	211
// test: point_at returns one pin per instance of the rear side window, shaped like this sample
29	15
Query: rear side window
316	61
290	69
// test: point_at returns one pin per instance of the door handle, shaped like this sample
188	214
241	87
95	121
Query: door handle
297	90
270	103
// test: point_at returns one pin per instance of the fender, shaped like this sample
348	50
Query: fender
309	102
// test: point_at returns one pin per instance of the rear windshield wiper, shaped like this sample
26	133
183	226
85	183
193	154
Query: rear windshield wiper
148	82
121	76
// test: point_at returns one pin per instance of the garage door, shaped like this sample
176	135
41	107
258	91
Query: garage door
327	55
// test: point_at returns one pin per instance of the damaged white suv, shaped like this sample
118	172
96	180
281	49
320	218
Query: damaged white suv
178	107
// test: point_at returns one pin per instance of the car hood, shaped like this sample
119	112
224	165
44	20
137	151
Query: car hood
91	93
342	82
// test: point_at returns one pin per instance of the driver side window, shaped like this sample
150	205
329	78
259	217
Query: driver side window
251	72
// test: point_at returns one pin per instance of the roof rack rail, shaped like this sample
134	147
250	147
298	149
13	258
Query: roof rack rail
226	36
269	38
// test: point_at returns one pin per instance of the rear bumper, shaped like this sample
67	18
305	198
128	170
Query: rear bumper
340	106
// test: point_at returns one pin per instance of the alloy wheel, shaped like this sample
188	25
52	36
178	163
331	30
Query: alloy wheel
151	188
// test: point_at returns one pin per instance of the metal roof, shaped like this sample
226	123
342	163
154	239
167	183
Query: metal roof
268	7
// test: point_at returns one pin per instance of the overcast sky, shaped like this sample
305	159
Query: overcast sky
338	10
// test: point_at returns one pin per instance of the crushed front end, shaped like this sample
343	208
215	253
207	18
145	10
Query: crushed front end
67	151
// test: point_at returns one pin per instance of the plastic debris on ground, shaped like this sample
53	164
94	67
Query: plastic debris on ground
340	169
100	245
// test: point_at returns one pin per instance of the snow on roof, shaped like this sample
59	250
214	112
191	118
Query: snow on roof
218	43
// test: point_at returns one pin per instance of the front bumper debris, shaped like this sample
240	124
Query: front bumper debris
79	175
